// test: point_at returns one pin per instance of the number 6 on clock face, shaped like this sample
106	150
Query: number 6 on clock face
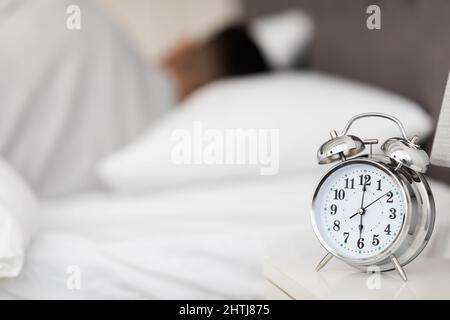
359	210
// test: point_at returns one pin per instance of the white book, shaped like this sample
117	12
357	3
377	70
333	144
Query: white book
440	154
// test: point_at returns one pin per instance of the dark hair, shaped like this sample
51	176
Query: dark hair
237	52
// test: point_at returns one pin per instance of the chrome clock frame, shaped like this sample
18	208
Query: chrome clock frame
417	225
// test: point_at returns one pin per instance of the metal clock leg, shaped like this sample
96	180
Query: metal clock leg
324	261
399	268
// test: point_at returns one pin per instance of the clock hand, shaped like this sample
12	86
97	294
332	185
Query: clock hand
363	193
376	200
361	210
355	215
360	227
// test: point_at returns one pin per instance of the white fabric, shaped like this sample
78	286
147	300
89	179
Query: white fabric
283	37
19	220
69	97
203	242
303	106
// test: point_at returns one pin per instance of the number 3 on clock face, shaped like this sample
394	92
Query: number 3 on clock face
358	210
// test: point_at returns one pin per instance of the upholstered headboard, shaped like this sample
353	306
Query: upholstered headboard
410	55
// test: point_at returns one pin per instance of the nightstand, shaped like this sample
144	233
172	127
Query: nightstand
297	279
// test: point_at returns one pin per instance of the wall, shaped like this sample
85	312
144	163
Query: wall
156	24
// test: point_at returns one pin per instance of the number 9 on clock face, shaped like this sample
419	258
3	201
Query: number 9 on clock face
359	210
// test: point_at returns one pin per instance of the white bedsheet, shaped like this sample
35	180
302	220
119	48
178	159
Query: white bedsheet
205	242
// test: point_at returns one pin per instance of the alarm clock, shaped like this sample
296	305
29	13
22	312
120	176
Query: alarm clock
373	210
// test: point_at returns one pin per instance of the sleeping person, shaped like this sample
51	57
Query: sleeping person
70	97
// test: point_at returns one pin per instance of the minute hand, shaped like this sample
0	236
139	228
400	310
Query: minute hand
376	200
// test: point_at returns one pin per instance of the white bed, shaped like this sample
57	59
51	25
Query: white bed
206	241
166	230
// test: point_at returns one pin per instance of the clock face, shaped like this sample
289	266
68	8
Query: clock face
359	210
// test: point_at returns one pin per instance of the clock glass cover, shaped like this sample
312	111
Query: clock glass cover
358	210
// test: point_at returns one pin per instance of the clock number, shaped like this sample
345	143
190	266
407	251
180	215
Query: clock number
388	230
346	235
364	179
360	243
339	194
333	209
393	213
390	195
349	183
337	225
375	240
379	185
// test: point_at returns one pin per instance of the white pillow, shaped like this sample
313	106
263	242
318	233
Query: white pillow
19	220
283	37
303	106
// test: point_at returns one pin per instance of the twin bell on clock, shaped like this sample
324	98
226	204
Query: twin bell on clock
373	210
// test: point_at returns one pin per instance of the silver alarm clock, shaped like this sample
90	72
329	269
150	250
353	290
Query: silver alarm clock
373	209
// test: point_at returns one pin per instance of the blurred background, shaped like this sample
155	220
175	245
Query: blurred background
410	55
94	92
132	61
156	25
